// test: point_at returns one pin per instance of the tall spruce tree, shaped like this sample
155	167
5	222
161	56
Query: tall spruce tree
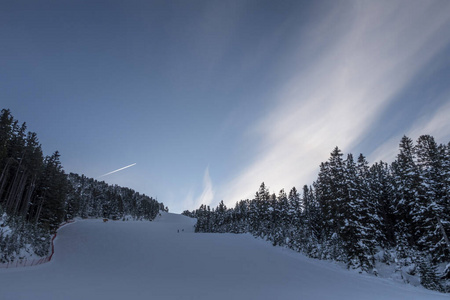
406	183
428	213
381	194
52	192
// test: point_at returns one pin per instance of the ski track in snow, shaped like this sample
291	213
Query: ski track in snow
151	260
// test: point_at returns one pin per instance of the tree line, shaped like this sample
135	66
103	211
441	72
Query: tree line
358	214
89	198
36	195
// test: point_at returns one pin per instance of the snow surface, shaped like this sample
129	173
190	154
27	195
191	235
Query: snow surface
151	260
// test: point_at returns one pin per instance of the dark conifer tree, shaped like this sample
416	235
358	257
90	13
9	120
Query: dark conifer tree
429	277
51	193
429	211
381	195
406	183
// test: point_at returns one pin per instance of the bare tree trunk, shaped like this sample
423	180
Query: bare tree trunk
27	200
15	185
11	204
19	192
4	177
5	169
38	212
10	192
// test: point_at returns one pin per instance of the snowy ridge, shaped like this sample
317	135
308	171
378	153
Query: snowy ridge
165	259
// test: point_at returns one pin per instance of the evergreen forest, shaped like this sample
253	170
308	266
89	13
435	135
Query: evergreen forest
358	214
36	195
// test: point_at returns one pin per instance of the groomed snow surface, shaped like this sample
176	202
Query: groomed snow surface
151	260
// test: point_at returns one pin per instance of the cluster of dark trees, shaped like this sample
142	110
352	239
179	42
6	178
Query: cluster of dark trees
354	212
36	195
89	198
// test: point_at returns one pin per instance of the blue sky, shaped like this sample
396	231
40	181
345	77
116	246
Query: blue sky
210	98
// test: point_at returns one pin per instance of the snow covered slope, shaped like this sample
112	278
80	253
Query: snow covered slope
151	260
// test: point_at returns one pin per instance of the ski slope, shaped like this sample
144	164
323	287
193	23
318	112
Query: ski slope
151	260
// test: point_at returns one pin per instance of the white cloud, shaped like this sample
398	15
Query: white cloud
335	100
436	125
207	195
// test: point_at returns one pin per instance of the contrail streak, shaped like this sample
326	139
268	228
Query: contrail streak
116	170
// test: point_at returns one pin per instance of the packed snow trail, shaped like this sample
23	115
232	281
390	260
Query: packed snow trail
152	260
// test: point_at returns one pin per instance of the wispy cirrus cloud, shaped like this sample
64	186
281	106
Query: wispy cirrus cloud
375	49
208	192
206	196
436	124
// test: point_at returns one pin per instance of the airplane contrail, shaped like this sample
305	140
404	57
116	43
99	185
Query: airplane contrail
116	170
